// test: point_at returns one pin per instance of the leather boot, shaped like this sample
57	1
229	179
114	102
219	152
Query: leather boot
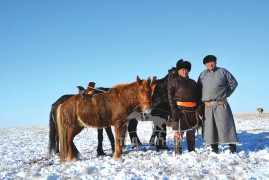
178	144
215	148
232	148
191	144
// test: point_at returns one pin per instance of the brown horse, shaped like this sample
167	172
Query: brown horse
260	110
53	132
101	110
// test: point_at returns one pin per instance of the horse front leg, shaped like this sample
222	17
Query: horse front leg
120	130
163	136
132	128
110	137
100	151
152	139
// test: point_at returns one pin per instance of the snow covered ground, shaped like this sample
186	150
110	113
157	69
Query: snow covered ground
24	155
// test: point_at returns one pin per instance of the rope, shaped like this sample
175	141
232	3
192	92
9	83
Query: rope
98	89
184	112
162	110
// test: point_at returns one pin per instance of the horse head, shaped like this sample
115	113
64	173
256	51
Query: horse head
159	92
172	73
160	95
144	94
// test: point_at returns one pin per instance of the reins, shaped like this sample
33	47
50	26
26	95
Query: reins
162	110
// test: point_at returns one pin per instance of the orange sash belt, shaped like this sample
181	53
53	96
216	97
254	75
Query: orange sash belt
186	104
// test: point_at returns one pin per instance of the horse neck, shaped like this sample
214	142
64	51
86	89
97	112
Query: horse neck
128	94
162	82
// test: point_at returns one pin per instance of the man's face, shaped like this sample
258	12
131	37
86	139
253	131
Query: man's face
211	65
183	72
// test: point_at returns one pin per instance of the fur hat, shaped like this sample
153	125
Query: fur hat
183	65
209	58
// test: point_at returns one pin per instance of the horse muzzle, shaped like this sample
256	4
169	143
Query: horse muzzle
146	107
147	111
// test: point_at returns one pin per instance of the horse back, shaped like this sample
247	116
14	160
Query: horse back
102	110
58	102
95	110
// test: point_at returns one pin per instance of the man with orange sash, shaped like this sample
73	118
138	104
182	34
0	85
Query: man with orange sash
182	96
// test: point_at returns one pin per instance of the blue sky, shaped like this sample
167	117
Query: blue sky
49	47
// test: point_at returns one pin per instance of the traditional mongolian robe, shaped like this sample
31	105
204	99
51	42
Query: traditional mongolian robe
216	87
183	90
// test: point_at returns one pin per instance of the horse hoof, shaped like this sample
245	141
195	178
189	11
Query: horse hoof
101	154
134	146
158	149
116	157
73	160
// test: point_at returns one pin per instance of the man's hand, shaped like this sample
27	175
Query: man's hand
199	112
175	114
174	118
172	123
197	115
175	125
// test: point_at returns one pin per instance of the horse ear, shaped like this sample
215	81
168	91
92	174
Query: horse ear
154	80
149	80
153	83
138	79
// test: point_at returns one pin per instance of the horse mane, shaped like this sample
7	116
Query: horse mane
122	86
163	79
167	76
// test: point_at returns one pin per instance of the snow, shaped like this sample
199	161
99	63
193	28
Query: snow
24	155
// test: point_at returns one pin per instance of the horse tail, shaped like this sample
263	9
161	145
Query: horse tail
52	132
62	134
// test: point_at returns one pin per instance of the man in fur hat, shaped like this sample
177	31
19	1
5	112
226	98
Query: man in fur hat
216	84
182	96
